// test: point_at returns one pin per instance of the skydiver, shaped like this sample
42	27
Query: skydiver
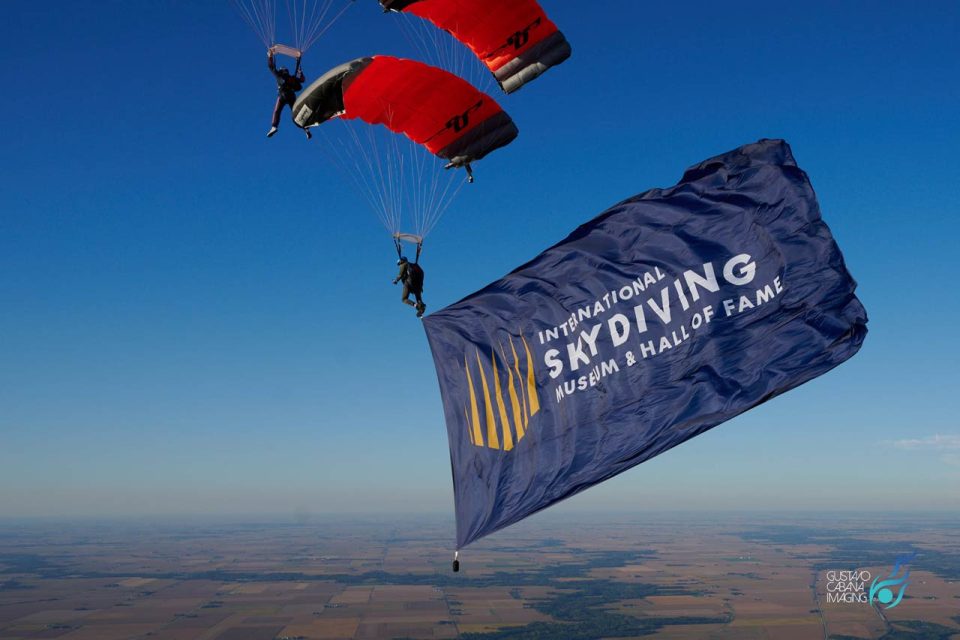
411	274
287	87
451	165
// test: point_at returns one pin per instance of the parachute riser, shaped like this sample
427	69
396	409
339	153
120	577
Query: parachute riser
399	238
400	251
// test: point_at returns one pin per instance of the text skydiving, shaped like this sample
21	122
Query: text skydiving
687	289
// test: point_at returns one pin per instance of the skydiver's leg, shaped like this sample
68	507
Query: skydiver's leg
275	122
277	110
290	99
421	307
406	296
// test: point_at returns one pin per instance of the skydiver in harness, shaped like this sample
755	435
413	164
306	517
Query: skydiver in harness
287	87
411	274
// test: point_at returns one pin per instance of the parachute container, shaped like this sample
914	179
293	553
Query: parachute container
663	317
514	38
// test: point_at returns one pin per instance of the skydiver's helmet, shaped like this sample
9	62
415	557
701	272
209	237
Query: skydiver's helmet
402	260
283	71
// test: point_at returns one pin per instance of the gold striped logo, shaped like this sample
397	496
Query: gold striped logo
503	396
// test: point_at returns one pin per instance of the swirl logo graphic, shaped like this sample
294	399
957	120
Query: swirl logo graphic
882	591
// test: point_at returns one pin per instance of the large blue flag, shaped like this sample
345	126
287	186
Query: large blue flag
661	318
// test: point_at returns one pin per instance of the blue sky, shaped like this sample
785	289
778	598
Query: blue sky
195	319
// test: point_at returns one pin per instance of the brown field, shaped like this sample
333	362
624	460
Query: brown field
709	579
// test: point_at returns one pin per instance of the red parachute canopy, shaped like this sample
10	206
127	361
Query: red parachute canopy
432	107
514	38
428	105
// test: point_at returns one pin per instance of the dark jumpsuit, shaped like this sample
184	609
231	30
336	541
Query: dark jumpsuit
287	88
412	276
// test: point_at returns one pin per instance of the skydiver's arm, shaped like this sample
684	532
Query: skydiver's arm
299	71
271	64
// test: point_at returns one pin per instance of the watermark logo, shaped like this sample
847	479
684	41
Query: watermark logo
847	586
859	586
889	592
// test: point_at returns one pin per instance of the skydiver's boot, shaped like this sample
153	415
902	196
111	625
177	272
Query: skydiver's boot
309	135
272	131
469	172
421	307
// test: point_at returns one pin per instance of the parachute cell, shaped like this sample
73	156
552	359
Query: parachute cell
436	109
514	38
